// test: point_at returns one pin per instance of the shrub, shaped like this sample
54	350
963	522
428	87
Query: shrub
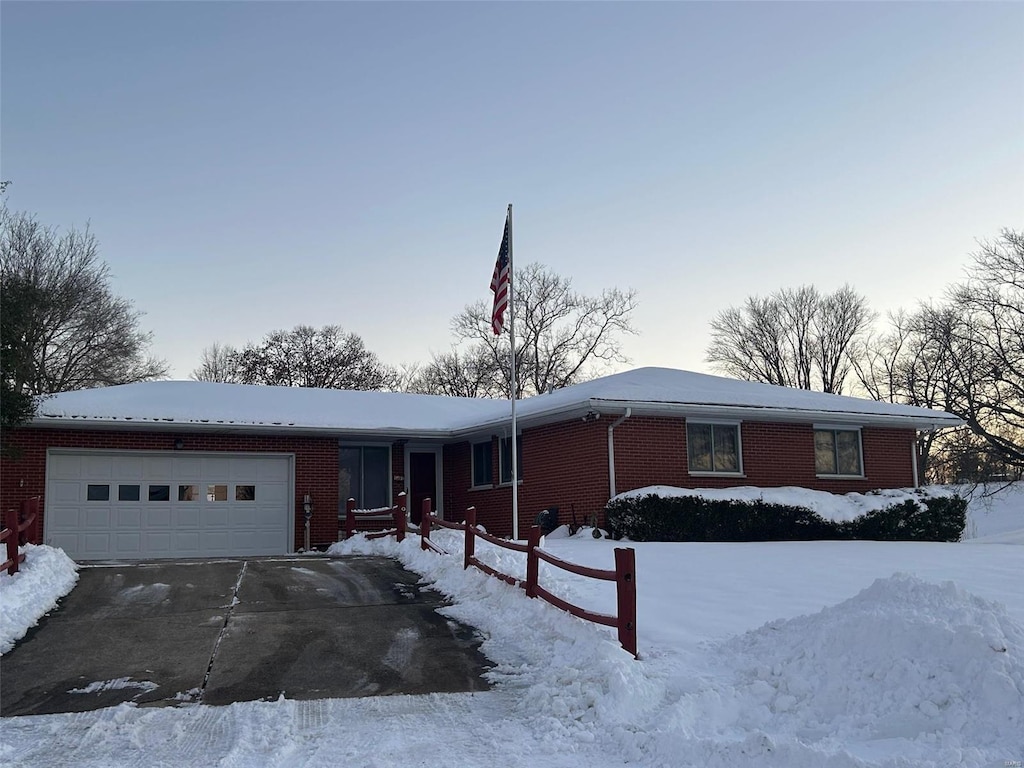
693	518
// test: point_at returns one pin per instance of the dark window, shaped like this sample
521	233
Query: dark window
713	447
505	458
188	493
483	470
127	493
365	475
98	493
245	493
837	452
159	493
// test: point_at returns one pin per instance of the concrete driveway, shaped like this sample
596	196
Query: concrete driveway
219	631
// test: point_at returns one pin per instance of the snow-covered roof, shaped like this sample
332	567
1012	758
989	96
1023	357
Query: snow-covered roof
647	391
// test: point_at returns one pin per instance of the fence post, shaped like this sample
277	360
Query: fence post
350	518
400	517
11	523
27	523
470	540
625	588
424	523
532	561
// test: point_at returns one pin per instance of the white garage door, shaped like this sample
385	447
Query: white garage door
139	504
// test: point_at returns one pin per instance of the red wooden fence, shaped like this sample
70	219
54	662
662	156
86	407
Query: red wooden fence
17	522
624	574
397	515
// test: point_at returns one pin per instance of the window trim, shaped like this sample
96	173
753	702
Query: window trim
739	448
473	485
837	475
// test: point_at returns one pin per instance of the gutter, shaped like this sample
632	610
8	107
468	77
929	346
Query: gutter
611	451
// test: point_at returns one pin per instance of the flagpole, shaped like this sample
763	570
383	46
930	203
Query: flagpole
512	344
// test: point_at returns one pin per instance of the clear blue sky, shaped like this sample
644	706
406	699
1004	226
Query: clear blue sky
252	166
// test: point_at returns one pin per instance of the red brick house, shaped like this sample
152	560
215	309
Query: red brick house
182	468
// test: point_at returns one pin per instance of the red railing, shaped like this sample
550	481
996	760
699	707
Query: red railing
17	522
624	574
397	515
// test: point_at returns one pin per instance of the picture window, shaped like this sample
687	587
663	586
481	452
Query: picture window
713	447
838	452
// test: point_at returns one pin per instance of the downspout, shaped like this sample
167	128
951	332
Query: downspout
611	452
913	460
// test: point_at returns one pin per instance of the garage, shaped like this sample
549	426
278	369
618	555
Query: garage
130	505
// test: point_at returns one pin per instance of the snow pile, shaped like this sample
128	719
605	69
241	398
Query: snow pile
831	506
904	659
46	576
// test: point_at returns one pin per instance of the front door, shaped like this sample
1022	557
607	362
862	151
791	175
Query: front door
422	482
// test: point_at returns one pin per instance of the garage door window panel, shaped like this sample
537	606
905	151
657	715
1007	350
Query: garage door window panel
159	493
245	493
98	493
128	492
188	493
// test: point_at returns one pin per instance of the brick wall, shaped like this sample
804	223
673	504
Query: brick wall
566	465
316	465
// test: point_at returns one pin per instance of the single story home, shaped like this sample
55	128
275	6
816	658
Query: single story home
199	469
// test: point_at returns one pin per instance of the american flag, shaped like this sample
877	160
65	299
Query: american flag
499	283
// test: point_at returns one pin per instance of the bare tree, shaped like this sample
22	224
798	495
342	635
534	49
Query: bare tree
217	363
982	331
562	337
964	355
327	357
909	364
793	337
458	373
73	332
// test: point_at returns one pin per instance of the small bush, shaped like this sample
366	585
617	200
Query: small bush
692	518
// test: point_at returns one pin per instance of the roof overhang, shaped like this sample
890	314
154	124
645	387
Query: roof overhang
534	417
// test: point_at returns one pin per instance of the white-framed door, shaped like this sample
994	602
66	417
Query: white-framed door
424	476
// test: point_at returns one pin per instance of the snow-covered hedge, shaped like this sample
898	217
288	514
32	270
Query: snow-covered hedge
654	517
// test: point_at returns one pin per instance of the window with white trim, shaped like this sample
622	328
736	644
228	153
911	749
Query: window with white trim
837	452
505	458
365	475
483	470
713	447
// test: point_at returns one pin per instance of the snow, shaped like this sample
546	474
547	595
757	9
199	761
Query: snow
653	390
838	507
26	596
774	655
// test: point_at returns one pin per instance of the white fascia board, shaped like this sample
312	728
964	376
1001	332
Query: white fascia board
214	426
779	415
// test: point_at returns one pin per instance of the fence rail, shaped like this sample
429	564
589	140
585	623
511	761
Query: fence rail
16	522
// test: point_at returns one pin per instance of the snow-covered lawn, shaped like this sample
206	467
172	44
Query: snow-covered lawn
784	654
